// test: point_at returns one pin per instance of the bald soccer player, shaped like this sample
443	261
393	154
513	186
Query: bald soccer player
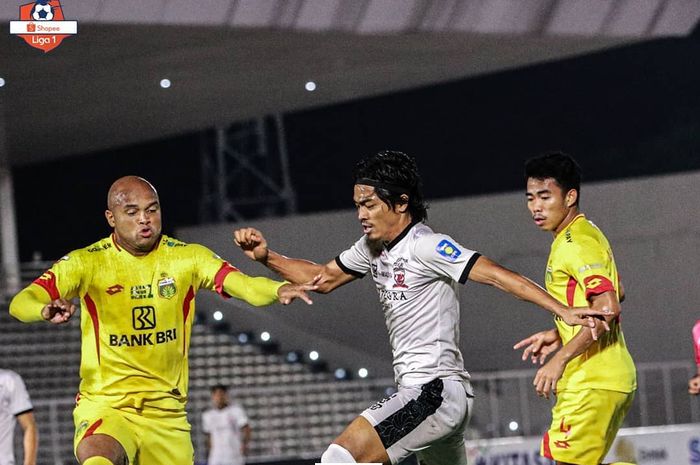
136	290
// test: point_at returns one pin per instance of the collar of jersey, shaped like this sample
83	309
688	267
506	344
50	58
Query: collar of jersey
119	248
576	218
398	238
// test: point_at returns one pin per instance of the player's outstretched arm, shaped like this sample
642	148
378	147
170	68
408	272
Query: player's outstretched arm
486	271
326	277
546	378
30	438
33	304
288	292
539	345
260	291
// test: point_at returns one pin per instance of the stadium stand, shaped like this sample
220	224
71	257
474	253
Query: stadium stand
294	411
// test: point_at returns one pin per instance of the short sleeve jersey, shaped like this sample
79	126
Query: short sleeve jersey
581	265
136	313
224	427
416	276
14	400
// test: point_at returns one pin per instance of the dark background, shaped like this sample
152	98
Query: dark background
627	112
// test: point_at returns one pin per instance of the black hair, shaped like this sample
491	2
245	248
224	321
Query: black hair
393	174
556	165
219	387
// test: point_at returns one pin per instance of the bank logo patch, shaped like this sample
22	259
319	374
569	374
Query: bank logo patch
143	317
448	250
42	25
166	287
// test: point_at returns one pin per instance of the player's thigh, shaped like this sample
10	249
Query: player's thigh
420	417
449	450
584	425
93	424
165	441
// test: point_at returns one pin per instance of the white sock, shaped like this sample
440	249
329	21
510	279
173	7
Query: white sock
337	454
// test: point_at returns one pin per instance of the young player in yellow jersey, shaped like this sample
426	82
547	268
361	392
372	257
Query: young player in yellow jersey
594	380
137	291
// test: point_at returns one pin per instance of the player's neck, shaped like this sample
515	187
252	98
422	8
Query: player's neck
132	250
570	216
403	223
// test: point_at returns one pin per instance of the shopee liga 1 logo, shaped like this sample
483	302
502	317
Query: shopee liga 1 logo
42	25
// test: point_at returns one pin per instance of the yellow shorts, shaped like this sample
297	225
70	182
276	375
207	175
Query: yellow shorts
150	436
584	425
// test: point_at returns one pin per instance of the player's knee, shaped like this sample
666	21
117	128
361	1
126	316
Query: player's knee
97	460
337	454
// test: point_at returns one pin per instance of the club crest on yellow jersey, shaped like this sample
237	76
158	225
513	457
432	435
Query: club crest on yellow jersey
166	287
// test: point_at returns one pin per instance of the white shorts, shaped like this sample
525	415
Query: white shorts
427	420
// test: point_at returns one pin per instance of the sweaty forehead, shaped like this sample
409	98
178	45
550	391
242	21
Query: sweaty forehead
134	193
362	192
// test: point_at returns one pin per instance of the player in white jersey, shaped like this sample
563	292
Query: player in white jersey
227	429
15	407
416	272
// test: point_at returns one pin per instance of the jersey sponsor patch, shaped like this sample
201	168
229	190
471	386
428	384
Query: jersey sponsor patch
448	250
143	317
142	291
593	266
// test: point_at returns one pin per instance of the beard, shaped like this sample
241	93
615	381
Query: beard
375	246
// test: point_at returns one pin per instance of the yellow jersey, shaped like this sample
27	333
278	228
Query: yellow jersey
580	266
137	313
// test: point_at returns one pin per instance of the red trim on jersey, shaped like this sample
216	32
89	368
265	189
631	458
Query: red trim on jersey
114	241
91	430
225	269
546	451
185	313
596	285
92	310
570	291
48	282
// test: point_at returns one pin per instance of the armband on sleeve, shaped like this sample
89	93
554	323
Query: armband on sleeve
26	306
257	291
596	285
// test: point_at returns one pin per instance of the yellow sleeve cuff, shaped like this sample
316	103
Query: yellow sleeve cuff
257	291
26	306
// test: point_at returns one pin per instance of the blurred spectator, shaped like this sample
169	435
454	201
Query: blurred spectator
227	429
15	406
